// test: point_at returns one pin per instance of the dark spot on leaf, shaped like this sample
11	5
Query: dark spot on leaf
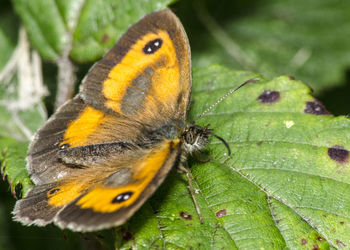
319	238
341	222
259	143
303	241
64	146
316	108
105	38
291	77
338	154
249	200
122	197
277	221
162	227
341	244
269	96
126	235
221	213
186	216
324	215
53	191
18	191
315	247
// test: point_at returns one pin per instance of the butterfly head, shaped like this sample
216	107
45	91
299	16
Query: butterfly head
195	138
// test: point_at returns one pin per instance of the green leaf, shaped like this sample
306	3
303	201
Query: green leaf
87	28
286	184
21	110
305	39
12	159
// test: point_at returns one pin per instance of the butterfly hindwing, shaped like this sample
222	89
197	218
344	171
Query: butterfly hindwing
111	203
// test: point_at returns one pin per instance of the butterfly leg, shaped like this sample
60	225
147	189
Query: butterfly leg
189	179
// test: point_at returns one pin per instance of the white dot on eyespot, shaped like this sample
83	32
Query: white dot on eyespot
149	49
126	197
156	44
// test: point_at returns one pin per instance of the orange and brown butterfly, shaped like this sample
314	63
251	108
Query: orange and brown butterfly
105	152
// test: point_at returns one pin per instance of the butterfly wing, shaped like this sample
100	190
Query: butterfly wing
130	102
147	75
100	196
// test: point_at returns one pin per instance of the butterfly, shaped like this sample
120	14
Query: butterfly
105	152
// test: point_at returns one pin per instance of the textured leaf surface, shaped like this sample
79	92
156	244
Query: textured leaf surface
12	159
283	185
87	28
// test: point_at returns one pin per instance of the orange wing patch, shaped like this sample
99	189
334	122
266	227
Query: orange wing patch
66	193
163	71
78	130
105	199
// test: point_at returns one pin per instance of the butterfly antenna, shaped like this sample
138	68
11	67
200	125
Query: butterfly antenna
225	96
224	142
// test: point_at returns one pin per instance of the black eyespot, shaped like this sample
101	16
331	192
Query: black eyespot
122	197
152	46
53	191
64	146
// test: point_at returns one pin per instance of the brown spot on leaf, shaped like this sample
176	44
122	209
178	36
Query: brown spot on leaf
341	222
316	108
319	238
315	247
303	241
186	216
341	244
269	96
221	213
126	235
291	77
105	38
338	154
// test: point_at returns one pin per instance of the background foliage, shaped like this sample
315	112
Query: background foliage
308	40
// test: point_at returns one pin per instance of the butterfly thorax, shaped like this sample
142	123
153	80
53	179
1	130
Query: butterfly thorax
193	137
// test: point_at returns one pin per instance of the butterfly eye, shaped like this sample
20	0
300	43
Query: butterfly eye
122	197
152	46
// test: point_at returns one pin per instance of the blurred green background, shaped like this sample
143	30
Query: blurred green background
306	39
